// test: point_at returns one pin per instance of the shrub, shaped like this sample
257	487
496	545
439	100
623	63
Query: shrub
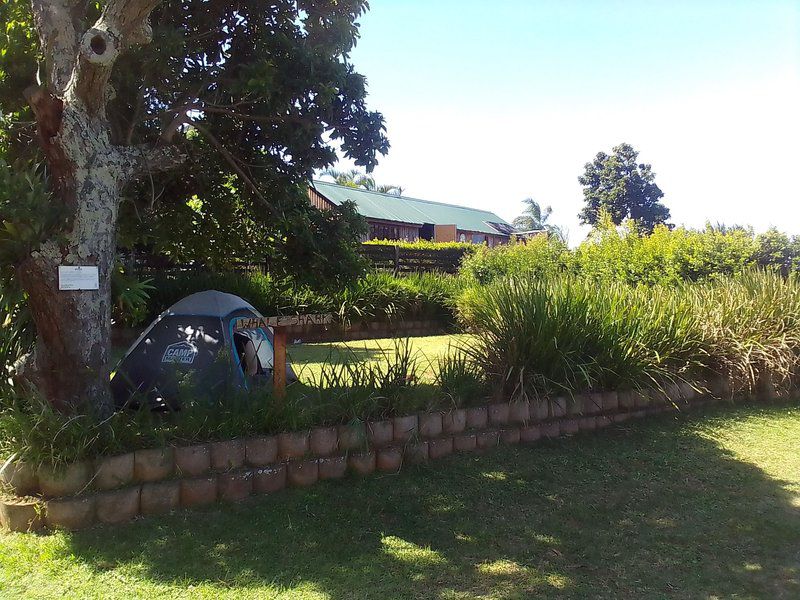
426	245
539	257
16	337
664	257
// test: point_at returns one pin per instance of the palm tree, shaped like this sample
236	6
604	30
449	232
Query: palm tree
533	217
356	179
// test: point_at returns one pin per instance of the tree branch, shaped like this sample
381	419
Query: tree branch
297	119
235	165
57	25
122	24
144	160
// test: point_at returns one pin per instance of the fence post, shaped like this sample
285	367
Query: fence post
396	260
279	362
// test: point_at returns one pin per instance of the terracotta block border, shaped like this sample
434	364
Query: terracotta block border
115	489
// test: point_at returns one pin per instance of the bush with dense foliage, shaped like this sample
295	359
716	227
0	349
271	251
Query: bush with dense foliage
540	256
667	256
624	254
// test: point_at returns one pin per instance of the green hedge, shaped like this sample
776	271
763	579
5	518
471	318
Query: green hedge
426	245
375	297
622	254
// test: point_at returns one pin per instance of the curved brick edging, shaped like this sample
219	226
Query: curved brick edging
154	481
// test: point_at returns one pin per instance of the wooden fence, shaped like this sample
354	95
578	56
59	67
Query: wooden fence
412	260
390	258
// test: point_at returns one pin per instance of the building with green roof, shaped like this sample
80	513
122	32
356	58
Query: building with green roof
395	217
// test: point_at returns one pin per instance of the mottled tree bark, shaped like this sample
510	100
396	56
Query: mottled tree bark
87	173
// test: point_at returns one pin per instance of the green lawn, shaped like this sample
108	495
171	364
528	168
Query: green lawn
705	506
307	359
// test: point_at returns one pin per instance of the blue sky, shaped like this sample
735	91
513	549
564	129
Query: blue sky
487	103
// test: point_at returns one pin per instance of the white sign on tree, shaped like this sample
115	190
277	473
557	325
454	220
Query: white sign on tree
78	278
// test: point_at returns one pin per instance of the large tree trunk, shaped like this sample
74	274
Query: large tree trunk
87	172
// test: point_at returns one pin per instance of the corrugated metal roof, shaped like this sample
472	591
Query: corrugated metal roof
389	207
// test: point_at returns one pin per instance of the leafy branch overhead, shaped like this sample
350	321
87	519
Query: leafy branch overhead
138	105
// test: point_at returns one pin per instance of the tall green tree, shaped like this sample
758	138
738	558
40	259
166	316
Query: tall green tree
624	187
137	103
356	179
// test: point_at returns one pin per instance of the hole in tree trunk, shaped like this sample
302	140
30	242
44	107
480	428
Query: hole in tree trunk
98	45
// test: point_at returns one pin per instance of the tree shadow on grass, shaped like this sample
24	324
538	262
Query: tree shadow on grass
652	510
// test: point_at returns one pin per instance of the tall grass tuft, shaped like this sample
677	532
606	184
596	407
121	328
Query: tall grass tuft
460	379
567	335
751	327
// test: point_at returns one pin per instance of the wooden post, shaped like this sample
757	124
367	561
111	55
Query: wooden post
279	362
396	260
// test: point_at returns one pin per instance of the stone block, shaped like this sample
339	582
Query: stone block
261	451
267	480
454	421
440	448
198	492
405	428
332	467
293	445
21	514
19	477
464	443
416	453
389	459
380	433
118	506
477	417
324	441
362	463
193	461
233	486
487	439
519	411
160	497
352	436
302	473
430	425
154	464
510	436
530	434
69	480
227	455
551	430
570	426
70	513
498	413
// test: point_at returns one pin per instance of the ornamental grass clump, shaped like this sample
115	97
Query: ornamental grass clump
568	335
460	379
751	327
